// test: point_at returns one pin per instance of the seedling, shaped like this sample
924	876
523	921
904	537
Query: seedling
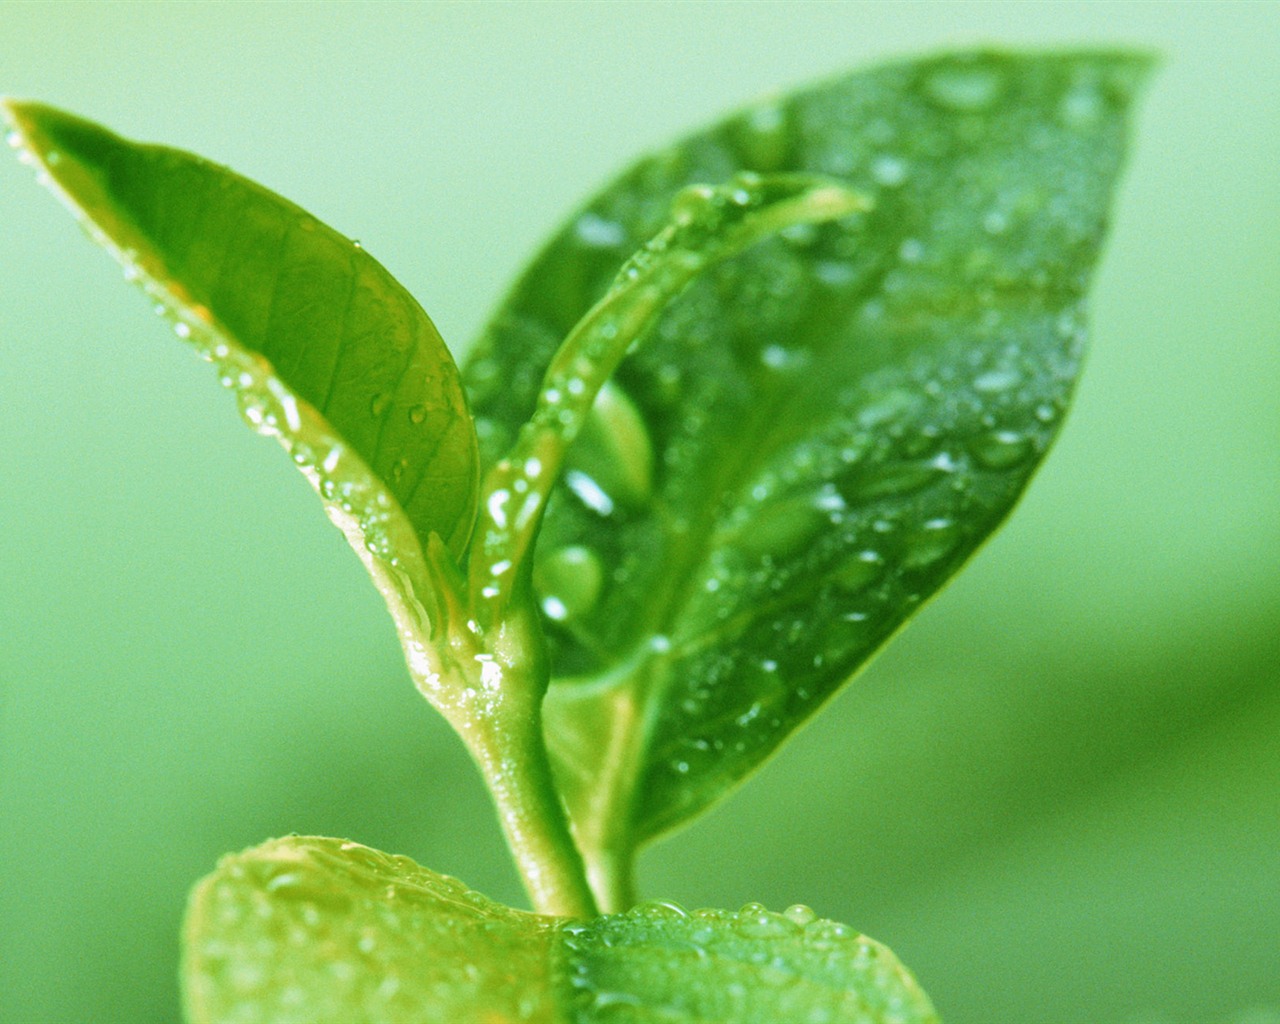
750	409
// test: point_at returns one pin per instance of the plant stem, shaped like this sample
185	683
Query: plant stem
501	719
515	765
490	684
612	875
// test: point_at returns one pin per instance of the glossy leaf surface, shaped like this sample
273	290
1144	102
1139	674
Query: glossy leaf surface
326	351
321	930
818	433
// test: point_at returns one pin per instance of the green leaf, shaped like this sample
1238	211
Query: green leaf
320	930
325	350
819	432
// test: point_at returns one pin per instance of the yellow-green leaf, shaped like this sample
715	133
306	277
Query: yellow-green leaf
325	350
322	931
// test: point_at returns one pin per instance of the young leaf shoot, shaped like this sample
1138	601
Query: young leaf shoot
739	420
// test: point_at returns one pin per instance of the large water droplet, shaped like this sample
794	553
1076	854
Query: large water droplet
570	579
614	449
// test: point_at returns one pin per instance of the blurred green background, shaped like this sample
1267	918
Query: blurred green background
1057	796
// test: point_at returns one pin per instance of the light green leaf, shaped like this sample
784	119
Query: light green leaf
819	432
325	350
320	930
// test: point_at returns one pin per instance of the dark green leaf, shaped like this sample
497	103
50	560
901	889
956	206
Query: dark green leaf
326	351
817	435
320	930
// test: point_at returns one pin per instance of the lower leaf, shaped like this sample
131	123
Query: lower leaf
308	929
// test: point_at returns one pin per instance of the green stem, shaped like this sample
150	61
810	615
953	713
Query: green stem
612	876
489	684
514	763
501	719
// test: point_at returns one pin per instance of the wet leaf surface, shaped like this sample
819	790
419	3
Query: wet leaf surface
819	432
325	350
321	930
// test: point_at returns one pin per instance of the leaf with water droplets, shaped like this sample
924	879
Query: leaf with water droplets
311	929
819	432
325	350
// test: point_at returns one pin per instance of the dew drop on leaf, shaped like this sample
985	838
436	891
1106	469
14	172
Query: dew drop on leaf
932	541
967	88
1001	449
570	579
859	571
889	171
595	232
1082	106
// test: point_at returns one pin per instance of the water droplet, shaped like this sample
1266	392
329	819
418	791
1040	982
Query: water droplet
378	405
589	492
933	541
889	171
1082	106
1001	449
182	330
14	138
896	478
417	414
799	914
995	222
858	572
835	273
754	922
662	909
888	407
969	88
595	232
693	204
780	527
497	507
53	158
571	579
911	250
777	357
996	380
614	448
